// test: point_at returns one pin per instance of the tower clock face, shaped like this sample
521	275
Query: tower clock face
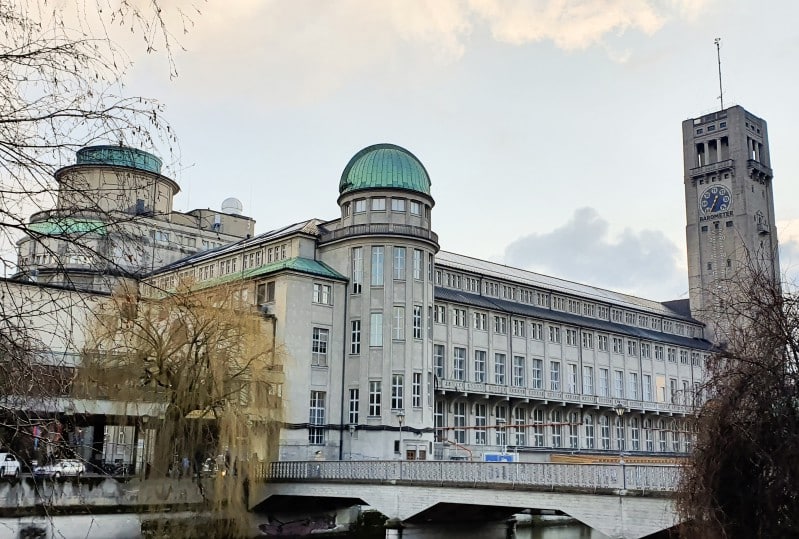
715	199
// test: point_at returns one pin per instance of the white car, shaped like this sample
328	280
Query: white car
9	465
61	468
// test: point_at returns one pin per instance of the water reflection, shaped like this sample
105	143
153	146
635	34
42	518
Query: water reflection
498	531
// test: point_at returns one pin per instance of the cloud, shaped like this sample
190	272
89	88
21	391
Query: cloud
788	235
644	263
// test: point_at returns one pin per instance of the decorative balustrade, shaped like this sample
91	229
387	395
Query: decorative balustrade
518	475
560	396
390	229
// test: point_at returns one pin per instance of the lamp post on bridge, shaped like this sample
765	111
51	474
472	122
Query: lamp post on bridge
620	409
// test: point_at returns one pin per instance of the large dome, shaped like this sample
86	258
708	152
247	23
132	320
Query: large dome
384	166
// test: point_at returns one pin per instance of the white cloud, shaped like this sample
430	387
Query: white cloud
644	263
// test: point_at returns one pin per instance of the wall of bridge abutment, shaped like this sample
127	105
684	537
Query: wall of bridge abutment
626	502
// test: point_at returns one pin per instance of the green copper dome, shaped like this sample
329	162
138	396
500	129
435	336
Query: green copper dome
384	166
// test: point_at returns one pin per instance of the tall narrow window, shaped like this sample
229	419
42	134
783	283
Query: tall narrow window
538	374
357	270
376	329
397	391
319	342
417	264
398	330
538	427
554	375
632	385
557	428
354	406
604	431
417	321
500	369
438	360
518	371
316	421
399	263
574	430
377	265
588	380
589	431
439	420
603	383
571	381
620	435
635	435
480	366
459	421
416	390
480	424
355	337
375	397
519	426
501	413
459	363
618	384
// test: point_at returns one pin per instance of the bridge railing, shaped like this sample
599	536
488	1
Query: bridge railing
644	478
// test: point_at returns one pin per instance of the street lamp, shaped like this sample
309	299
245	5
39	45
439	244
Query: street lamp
501	432
401	420
620	409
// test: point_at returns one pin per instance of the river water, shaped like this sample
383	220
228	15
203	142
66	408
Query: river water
498	531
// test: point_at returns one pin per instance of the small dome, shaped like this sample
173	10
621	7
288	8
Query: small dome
232	206
384	166
120	156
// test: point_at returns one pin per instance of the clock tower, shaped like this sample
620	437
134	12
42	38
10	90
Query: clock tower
729	207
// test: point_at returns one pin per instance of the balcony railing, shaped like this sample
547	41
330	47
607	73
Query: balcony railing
561	396
712	167
388	229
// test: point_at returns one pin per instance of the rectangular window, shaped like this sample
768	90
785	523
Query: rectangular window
378	204
501	414
538	427
355	337
658	352
518	371
398	325
618	384
319	342
377	265
357	269
588	340
416	208
536	331
479	320
397	391
604	431
557	429
632	348
376	329
519	426
355	404
398	204
360	205
417	321
499	369
440	314
620	434
635	435
632	385
538	374
603	382
416	390
647	387
588	380
459	422
618	345
646	350
438	360
375	397
574	433
589	431
500	325
571	337
322	294
480	366
684	357
316	421
439	418
602	343
554	334
480	422
571	381
554	375
518	328
650	443
399	263
417	264
459	363
459	318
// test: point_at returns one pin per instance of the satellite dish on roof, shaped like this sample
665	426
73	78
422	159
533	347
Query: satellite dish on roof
232	205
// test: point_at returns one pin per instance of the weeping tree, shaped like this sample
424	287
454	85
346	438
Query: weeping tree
207	361
742	480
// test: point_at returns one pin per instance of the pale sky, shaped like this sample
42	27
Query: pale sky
551	129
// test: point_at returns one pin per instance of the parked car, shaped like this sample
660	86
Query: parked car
60	468
9	465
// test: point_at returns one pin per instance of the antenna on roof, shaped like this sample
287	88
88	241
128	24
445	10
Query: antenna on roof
717	41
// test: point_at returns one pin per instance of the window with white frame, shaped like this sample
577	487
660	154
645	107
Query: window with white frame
355	337
662	436
684	357
574	430
554	375
604	431
671	353
417	321
459	363
440	314
378	204
416	208
554	334
632	348
416	390
635	435
536	331
376	329
518	327
557	428
500	325
480	422
602	343
417	264
398	323
632	385
357	270
618	384
322	293
603	383
316	421
588	380
519	426
571	337
459	421
589	431
375	397
479	320
438	360
647	387
360	205
459	318
355	404
658	352
538	427
480	366
571	378
538	374
588	340
518	371
618	345
439	420
397	391
648	435
500	369
501	414
378	255
319	342
620	434
398	204
399	263
646	350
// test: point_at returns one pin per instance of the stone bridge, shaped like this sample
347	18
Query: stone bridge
625	502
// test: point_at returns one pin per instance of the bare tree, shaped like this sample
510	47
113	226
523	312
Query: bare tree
742	480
